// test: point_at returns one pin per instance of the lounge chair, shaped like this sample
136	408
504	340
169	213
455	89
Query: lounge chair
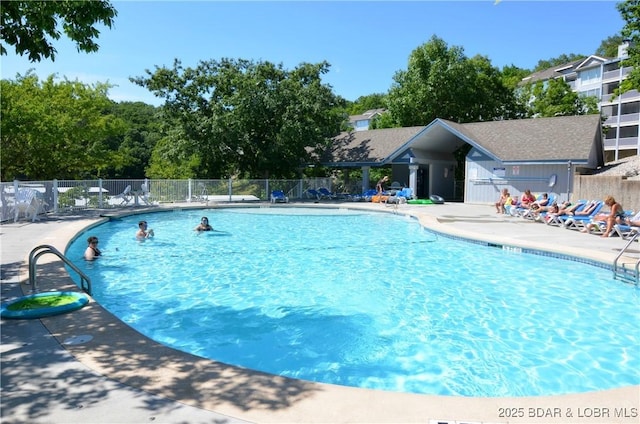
312	193
26	202
556	219
124	197
278	196
578	222
145	194
626	231
406	192
326	194
534	214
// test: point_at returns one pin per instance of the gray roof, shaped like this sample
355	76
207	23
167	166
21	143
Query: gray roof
554	72
564	69
367	147
537	140
369	114
560	138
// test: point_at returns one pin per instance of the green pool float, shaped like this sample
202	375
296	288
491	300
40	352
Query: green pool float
43	305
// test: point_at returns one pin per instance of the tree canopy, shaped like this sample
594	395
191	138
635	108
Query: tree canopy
560	60
630	11
243	118
609	46
441	82
30	26
556	98
55	129
368	102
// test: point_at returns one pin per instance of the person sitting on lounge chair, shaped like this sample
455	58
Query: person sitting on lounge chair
615	216
539	204
526	199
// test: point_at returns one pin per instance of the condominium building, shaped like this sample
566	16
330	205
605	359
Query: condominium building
600	77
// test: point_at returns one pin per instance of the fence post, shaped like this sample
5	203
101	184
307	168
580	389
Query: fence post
266	188
55	196
230	189
100	193
189	191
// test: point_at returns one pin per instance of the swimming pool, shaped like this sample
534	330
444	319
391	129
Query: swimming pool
368	300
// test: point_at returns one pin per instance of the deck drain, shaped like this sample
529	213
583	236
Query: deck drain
76	340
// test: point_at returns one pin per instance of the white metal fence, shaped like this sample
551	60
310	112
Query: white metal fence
64	196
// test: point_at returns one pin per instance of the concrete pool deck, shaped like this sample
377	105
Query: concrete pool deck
89	367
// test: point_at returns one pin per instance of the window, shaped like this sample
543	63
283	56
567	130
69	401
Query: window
611	134
611	66
629	108
610	110
593	92
631	131
590	75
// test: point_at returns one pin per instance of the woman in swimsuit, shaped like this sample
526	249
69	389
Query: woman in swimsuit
615	215
204	225
92	251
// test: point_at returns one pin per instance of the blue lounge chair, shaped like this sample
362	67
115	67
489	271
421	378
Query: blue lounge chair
578	222
312	193
556	220
278	196
627	231
326	194
532	213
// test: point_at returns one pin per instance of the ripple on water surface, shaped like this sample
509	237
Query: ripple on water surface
368	300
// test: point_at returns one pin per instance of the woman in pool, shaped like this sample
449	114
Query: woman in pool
204	225
92	251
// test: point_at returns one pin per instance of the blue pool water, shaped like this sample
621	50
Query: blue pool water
368	300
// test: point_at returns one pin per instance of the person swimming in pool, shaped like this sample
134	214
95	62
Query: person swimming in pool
143	232
92	251
204	225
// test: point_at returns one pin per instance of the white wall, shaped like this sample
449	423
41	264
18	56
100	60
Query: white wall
485	178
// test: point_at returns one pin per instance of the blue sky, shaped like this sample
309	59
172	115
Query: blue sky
365	42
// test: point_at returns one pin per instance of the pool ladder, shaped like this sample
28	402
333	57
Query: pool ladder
627	271
85	282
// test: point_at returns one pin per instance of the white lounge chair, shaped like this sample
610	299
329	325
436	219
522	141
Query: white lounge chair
145	195
124	197
26	203
626	231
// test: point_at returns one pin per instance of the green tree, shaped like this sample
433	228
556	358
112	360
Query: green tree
137	143
385	120
368	102
55	129
556	98
29	26
560	60
441	82
609	46
239	117
630	11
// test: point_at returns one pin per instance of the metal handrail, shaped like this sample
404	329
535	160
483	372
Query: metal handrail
85	281
636	272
